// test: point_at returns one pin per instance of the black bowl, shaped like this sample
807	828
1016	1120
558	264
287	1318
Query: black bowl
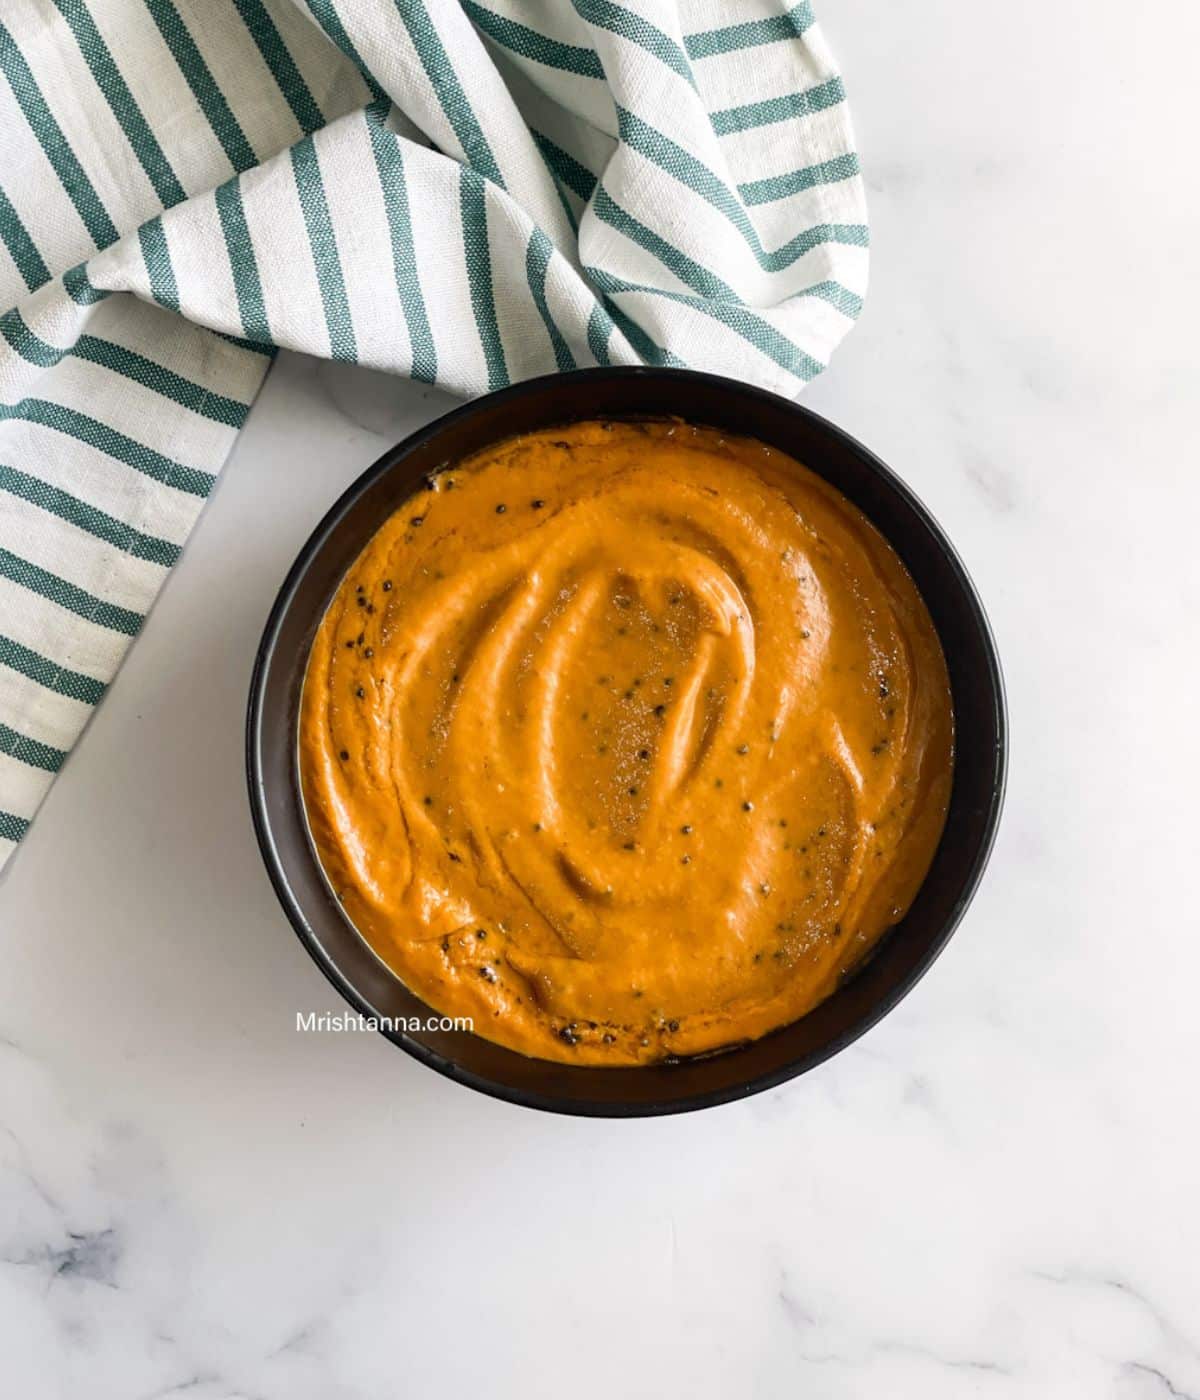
901	957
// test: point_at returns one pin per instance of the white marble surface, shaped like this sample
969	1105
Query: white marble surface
995	1193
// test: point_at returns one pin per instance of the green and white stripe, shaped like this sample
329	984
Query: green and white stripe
467	193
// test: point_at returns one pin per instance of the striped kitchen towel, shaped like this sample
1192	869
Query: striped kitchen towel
464	193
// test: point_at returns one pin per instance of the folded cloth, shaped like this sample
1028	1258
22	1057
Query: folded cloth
467	194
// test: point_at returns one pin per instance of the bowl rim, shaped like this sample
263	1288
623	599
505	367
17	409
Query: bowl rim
582	1106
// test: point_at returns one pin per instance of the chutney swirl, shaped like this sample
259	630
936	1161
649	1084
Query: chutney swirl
627	740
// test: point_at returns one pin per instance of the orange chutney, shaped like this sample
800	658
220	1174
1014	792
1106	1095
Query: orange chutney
626	740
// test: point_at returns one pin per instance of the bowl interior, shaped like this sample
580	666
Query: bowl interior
900	958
